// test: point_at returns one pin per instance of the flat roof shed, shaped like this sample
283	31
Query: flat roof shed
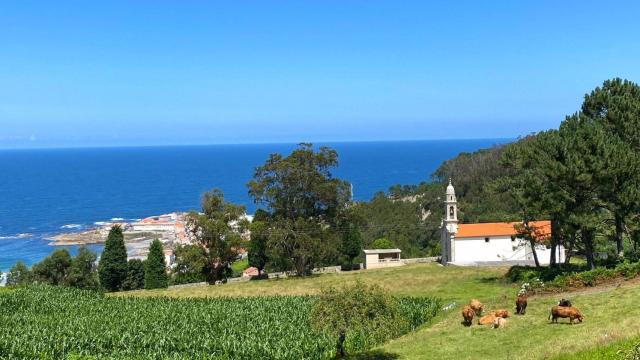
378	258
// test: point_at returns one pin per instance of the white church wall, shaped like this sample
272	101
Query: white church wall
498	248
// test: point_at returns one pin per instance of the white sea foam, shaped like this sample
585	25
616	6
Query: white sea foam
117	219
17	236
71	226
101	223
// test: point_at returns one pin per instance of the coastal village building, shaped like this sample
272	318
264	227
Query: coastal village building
379	258
475	244
166	222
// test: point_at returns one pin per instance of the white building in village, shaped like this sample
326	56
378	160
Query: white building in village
472	244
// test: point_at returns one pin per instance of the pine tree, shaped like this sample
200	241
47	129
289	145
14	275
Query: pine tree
112	269
155	272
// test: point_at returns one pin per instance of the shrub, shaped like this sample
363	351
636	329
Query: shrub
570	276
352	313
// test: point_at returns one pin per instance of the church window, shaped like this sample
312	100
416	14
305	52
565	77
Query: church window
451	211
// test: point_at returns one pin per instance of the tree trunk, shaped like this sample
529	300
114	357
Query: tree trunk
567	258
587	240
619	233
340	345
532	241
554	243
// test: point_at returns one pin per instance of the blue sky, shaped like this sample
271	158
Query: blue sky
110	73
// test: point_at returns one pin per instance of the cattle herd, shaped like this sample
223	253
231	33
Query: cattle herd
498	318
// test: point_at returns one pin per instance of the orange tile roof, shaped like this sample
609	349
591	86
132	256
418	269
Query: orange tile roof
541	229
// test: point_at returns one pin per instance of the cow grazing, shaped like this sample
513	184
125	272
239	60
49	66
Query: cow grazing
487	319
564	302
501	313
499	323
477	306
565	312
521	304
467	314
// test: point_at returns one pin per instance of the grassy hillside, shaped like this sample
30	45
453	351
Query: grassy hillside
612	316
446	283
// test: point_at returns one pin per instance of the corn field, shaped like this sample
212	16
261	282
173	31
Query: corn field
62	323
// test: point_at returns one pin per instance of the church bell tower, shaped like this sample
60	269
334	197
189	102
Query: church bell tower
449	224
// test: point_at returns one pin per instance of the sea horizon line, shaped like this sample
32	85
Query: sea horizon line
180	145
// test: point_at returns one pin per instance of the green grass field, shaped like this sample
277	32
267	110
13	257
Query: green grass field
447	283
612	318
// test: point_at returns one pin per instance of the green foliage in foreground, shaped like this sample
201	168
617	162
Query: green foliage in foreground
628	349
360	313
63	323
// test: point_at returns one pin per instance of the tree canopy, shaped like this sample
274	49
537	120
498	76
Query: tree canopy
218	231
303	204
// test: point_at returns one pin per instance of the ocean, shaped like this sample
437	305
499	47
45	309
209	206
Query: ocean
47	192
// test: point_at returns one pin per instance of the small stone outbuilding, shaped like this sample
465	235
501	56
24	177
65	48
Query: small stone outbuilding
380	258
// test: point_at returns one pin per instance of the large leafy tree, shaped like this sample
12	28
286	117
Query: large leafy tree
82	272
218	230
304	201
112	269
54	268
19	275
259	230
155	268
190	264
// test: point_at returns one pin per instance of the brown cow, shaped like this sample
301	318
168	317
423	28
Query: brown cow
467	314
521	304
477	306
487	319
565	312
501	313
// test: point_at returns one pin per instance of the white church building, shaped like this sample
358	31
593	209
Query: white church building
488	243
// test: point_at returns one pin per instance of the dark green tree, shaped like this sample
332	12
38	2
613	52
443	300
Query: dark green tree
19	275
112	268
135	275
53	269
304	201
82	273
218	230
258	245
190	264
616	106
155	268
